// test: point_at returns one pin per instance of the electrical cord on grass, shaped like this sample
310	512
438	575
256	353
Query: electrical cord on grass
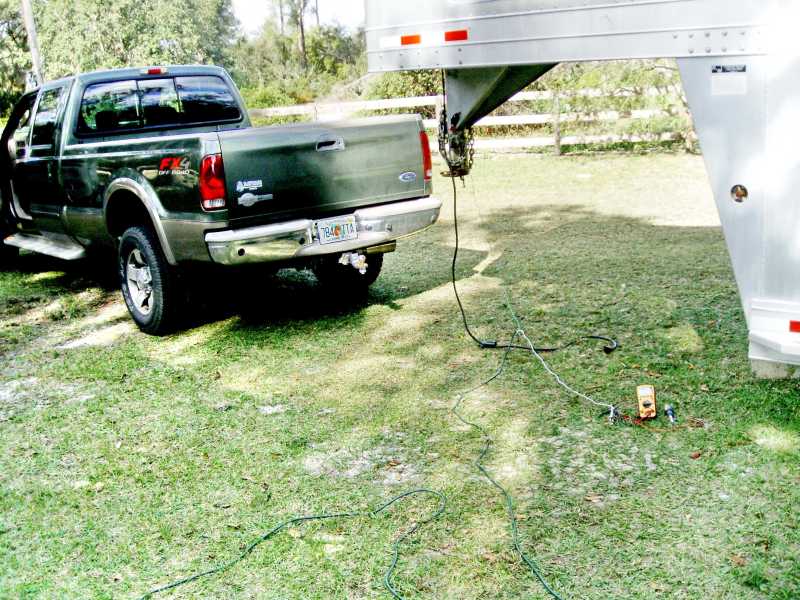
389	575
508	499
611	344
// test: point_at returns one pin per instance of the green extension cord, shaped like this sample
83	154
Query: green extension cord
509	501
387	579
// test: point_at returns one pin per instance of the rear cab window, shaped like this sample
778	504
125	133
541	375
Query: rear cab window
206	98
152	103
109	107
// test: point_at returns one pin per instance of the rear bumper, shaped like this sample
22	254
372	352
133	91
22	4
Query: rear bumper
298	239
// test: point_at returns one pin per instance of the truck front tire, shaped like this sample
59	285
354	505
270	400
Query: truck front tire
148	283
331	273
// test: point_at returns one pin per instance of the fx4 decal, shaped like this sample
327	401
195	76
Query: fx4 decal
175	166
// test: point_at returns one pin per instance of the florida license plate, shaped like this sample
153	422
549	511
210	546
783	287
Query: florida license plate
340	229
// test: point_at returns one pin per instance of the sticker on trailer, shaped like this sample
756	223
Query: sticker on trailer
729	80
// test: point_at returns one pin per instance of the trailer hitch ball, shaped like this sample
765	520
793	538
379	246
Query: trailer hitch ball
739	193
356	260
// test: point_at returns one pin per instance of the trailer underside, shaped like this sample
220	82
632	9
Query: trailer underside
738	59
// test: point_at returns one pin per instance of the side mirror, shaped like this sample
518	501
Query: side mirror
12	149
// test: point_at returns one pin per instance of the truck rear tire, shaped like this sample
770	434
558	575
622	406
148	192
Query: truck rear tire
148	283
330	273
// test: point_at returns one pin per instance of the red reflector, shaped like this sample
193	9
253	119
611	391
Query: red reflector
459	35
212	182
427	161
410	40
794	326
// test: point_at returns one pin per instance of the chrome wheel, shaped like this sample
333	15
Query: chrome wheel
140	282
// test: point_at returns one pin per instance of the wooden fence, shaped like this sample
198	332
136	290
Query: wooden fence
331	112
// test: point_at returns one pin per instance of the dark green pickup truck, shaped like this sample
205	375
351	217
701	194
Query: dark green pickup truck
162	165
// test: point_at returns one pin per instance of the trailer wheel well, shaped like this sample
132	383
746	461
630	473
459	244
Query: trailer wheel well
125	210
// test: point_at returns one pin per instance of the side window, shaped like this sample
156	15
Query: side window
160	104
206	99
19	127
109	107
44	123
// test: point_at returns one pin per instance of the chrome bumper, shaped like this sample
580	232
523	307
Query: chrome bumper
298	239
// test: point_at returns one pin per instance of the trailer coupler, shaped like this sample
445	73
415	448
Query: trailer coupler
457	147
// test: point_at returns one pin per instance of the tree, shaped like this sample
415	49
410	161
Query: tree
297	15
14	58
332	50
281	10
83	35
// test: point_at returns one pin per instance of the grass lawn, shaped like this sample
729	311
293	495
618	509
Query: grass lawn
127	462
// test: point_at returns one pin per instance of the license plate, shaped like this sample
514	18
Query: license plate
340	229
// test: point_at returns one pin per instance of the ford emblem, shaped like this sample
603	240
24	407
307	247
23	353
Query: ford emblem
409	177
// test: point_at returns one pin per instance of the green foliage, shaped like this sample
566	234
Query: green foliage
335	52
272	72
406	85
14	61
267	95
85	35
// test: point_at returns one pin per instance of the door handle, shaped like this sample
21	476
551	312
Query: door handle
330	145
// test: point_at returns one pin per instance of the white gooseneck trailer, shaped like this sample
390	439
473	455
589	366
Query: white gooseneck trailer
740	64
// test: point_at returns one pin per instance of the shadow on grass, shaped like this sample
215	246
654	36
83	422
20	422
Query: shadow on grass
97	270
260	298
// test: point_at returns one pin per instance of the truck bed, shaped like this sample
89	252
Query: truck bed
309	170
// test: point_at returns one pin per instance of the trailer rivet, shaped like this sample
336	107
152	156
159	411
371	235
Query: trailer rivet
739	193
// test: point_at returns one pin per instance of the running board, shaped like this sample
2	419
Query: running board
59	246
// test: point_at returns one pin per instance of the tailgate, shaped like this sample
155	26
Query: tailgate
279	173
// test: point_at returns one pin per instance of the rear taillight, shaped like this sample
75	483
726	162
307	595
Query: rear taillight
794	326
212	182
427	161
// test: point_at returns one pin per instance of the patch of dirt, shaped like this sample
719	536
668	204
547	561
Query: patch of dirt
18	395
104	337
387	461
14	396
583	466
278	409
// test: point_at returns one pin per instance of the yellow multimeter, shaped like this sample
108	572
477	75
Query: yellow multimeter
647	402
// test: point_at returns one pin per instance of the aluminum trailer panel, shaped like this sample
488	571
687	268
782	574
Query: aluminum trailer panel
740	65
518	32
